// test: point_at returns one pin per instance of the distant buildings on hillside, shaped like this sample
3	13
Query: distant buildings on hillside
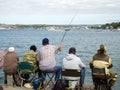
44	27
115	26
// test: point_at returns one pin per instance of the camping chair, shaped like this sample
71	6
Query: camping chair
100	78
49	75
26	68
72	75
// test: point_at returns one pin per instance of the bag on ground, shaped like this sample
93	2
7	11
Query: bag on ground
37	82
59	85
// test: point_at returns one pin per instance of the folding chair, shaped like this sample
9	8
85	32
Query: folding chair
100	78
49	75
26	68
72	75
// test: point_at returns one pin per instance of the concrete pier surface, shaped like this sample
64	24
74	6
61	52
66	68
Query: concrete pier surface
86	86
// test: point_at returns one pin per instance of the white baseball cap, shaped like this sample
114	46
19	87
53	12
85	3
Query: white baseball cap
11	49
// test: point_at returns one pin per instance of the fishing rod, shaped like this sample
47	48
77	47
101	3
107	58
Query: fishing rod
68	29
64	34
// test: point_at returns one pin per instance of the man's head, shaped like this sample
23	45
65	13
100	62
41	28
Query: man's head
33	47
45	41
72	50
102	49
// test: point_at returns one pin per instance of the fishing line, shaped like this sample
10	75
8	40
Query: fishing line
68	28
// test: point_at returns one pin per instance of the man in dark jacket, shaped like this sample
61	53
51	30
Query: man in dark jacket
102	60
11	61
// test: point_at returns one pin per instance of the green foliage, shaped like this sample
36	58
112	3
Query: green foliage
113	25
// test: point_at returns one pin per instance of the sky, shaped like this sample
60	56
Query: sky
59	11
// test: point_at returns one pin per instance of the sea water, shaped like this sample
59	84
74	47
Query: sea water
86	43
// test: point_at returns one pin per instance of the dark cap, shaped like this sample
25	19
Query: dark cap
45	41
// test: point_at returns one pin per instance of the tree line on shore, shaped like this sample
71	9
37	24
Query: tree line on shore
113	25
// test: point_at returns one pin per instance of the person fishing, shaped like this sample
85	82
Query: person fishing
31	57
72	61
11	61
47	62
102	60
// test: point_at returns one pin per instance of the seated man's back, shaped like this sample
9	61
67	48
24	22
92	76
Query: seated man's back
31	56
102	60
71	61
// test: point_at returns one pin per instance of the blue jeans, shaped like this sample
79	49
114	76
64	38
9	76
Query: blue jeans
57	70
83	75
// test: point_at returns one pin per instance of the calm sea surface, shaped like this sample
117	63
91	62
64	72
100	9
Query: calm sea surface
85	41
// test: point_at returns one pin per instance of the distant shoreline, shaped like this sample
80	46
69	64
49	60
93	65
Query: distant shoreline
108	26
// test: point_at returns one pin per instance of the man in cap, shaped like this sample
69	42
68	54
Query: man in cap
11	60
102	60
46	58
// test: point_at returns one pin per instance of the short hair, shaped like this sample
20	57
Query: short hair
45	41
33	47
72	50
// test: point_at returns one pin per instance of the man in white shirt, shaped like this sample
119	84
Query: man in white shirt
71	61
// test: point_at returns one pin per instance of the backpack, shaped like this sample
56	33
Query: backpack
37	83
59	85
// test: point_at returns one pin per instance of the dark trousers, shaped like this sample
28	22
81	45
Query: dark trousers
6	74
